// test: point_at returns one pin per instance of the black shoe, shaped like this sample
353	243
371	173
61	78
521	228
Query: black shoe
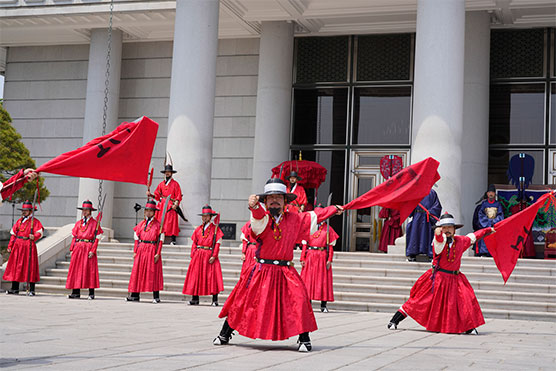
392	324
12	292
132	298
91	297
472	331
221	340
214	304
324	309
304	346
411	259
31	293
74	296
193	302
156	300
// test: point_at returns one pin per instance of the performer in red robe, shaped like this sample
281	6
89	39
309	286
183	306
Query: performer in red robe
300	202
146	274
391	228
316	262
83	269
168	188
271	302
22	240
13	184
204	275
442	300
249	246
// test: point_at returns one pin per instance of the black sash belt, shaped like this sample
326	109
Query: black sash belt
82	240
316	248
22	238
251	243
445	270
284	263
145	241
204	247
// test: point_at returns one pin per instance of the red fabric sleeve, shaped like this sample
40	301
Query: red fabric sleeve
482	233
303	252
158	192
37	226
383	213
258	213
330	253
177	192
159	249
216	250
325	213
135	246
244	246
72	243
10	186
194	241
95	246
11	243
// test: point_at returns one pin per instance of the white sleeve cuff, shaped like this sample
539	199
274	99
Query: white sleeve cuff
314	224
135	236
472	237
258	225
333	243
438	246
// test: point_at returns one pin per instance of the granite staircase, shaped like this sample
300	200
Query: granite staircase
362	281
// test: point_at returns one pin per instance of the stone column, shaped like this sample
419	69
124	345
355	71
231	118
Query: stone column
274	94
438	94
475	113
191	111
94	105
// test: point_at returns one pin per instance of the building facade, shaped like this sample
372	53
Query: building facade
239	86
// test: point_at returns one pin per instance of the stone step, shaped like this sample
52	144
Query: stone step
497	284
355	272
339	295
475	266
361	257
340	287
336	305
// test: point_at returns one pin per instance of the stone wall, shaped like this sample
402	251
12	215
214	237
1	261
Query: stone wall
45	94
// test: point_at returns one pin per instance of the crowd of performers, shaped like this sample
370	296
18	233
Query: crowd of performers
271	300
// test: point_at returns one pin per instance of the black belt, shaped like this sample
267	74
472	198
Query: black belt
82	240
316	248
284	263
145	241
251	243
204	247
445	270
22	238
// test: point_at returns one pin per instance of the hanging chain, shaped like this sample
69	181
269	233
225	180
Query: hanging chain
106	86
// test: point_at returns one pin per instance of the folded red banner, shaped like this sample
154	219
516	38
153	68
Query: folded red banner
123	155
403	191
506	244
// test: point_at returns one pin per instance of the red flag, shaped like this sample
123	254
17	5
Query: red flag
506	244
403	191
123	155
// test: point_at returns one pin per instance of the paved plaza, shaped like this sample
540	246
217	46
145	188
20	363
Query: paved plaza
52	332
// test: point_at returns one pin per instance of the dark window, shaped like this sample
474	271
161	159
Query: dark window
322	59
517	53
553	113
383	57
499	159
334	162
517	114
320	116
382	115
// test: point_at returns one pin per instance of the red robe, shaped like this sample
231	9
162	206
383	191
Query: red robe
83	271
204	278
271	302
146	275
391	229
171	223
18	262
318	279
450	306
300	200
248	248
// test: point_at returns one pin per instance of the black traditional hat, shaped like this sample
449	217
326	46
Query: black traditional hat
448	220
27	205
151	205
207	210
169	168
275	186
491	188
293	174
87	205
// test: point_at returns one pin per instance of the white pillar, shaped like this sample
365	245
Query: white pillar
438	94
475	113
191	111
274	91
94	104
